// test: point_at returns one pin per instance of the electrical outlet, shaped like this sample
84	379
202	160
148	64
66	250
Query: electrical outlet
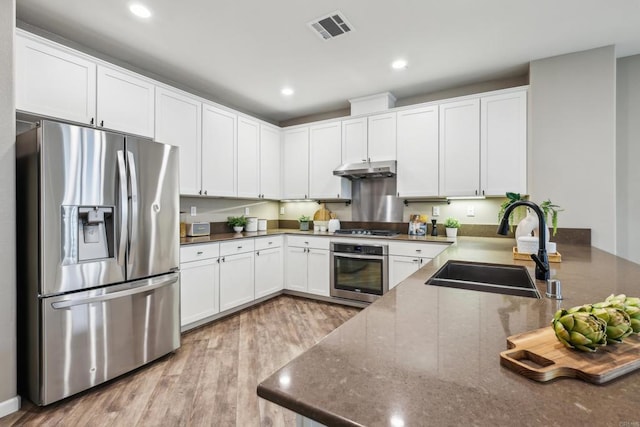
193	211
281	210
435	210
246	211
471	211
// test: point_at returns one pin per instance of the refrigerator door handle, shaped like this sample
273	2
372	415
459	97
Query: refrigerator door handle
124	207
144	287
133	234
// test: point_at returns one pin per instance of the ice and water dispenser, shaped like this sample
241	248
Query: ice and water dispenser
88	233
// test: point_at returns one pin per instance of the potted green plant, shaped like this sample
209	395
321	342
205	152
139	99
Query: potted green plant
237	222
549	208
517	214
304	222
451	226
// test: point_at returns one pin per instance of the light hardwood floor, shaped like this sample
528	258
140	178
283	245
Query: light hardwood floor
210	381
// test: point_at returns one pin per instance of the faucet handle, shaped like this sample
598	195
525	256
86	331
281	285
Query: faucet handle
541	265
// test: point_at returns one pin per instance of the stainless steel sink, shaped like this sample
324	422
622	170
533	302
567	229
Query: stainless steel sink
495	278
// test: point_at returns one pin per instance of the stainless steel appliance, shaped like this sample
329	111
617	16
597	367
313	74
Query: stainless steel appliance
98	253
359	271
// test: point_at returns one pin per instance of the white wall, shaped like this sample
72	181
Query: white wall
572	145
628	158
9	402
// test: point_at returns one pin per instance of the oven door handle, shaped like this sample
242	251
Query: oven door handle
345	255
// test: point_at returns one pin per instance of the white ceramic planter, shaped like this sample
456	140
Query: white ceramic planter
238	229
451	232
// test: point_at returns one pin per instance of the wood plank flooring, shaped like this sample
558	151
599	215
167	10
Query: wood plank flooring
210	381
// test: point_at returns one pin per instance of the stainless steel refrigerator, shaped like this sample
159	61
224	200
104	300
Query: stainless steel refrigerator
98	257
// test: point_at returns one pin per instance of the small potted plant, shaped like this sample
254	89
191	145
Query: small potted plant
237	222
304	222
451	226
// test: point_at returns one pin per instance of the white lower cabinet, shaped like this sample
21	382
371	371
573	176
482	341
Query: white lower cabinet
401	267
236	273
269	265
307	264
407	258
199	282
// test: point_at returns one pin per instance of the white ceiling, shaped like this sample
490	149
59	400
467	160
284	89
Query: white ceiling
242	52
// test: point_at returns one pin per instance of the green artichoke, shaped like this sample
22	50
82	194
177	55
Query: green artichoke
580	329
631	305
618	321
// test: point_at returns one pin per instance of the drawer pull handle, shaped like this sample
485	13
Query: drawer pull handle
258	253
418	250
199	253
271	243
306	243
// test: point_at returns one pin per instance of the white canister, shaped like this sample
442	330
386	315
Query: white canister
252	224
262	225
334	224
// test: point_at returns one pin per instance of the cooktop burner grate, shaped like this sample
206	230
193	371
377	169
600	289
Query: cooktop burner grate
366	232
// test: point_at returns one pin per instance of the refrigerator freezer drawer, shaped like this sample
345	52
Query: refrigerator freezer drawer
93	336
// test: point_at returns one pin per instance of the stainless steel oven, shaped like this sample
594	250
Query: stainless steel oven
359	271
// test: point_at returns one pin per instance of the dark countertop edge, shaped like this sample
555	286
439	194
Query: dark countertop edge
221	237
304	409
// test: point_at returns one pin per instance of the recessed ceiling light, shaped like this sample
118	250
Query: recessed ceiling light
140	10
400	64
287	91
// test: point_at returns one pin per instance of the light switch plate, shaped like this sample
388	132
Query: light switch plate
193	211
281	210
471	211
246	211
435	210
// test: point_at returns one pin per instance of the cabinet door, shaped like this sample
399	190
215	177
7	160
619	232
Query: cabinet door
295	180
248	158
236	280
401	267
199	289
354	140
503	143
269	162
318	272
269	272
218	152
382	137
296	269
178	123
460	148
125	102
418	152
53	82
325	155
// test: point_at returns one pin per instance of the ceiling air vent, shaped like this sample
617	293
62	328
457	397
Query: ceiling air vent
331	26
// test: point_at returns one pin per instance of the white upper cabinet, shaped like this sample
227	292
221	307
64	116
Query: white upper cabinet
382	137
178	122
354	140
218	152
52	81
55	81
325	142
270	164
418	152
503	143
460	148
248	158
295	171
125	102
370	138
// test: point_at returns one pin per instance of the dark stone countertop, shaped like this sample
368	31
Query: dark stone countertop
427	355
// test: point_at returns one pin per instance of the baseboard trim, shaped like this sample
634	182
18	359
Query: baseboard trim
9	406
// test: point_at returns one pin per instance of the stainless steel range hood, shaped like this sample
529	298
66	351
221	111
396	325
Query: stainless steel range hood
384	169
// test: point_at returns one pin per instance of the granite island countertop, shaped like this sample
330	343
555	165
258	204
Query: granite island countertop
427	355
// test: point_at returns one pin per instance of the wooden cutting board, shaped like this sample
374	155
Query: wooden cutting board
539	355
322	214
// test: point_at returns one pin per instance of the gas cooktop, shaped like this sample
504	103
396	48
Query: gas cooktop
365	232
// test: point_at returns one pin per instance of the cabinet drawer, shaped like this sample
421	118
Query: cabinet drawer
268	242
239	246
308	242
197	252
423	250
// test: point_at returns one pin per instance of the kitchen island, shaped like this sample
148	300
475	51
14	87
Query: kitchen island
428	355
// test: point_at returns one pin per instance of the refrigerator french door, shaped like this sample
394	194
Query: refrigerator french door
98	256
